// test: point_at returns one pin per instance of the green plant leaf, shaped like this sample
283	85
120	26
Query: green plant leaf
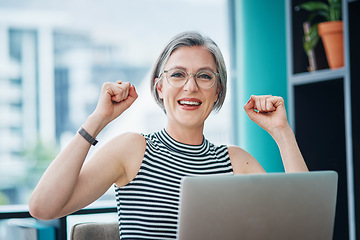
324	16
311	39
319	12
310	45
335	11
313	32
314	6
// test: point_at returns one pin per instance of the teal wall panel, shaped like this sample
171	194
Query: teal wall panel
260	52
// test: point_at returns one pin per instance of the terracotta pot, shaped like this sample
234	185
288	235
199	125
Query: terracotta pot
331	34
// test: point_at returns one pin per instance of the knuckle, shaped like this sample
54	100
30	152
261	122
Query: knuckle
106	85
120	91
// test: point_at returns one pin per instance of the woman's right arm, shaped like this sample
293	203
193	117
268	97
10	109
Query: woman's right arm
68	184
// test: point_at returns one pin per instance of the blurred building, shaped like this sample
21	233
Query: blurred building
50	76
51	73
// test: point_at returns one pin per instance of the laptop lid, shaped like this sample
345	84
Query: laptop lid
258	206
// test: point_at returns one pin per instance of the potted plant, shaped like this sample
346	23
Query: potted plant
325	21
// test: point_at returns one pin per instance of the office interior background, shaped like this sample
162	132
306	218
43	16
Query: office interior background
55	56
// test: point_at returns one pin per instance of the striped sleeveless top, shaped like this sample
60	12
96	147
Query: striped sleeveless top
148	206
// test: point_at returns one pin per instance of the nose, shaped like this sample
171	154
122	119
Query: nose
191	84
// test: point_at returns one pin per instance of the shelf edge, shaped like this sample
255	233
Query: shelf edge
317	76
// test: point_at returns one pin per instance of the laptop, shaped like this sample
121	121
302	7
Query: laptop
258	206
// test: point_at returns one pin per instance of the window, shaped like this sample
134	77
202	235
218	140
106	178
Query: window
55	58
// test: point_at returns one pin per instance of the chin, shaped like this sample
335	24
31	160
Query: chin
191	120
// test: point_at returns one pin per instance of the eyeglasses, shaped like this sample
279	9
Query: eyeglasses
205	79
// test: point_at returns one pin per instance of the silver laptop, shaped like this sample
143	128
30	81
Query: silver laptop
262	206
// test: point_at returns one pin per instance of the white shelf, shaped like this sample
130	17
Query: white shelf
317	76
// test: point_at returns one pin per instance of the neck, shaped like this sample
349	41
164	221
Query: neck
187	135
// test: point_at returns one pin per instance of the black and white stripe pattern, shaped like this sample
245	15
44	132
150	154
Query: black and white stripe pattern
148	206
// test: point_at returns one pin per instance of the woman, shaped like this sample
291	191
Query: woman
188	82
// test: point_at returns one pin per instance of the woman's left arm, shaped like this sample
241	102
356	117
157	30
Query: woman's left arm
270	114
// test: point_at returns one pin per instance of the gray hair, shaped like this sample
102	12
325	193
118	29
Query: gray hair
190	39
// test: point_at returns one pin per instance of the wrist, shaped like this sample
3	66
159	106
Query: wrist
93	125
282	134
92	140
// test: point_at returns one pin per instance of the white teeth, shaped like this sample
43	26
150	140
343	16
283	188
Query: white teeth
189	103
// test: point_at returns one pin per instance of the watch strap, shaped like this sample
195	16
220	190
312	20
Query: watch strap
87	136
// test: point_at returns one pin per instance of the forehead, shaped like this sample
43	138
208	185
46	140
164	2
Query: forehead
191	58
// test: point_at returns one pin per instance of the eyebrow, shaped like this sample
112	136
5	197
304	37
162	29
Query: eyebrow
200	69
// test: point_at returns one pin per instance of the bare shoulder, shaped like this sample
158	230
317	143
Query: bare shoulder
128	140
126	144
131	147
242	161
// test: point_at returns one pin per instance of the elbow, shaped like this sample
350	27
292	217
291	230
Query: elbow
40	211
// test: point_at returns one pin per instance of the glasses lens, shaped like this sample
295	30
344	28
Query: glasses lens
205	79
176	77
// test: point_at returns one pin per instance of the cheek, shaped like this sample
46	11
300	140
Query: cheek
168	94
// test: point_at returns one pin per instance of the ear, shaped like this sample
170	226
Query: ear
159	87
218	91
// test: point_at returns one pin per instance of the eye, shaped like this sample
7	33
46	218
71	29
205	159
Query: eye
205	75
178	74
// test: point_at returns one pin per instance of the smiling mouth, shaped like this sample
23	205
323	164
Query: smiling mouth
189	103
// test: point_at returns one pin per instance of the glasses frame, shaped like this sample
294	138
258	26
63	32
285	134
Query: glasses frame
188	77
